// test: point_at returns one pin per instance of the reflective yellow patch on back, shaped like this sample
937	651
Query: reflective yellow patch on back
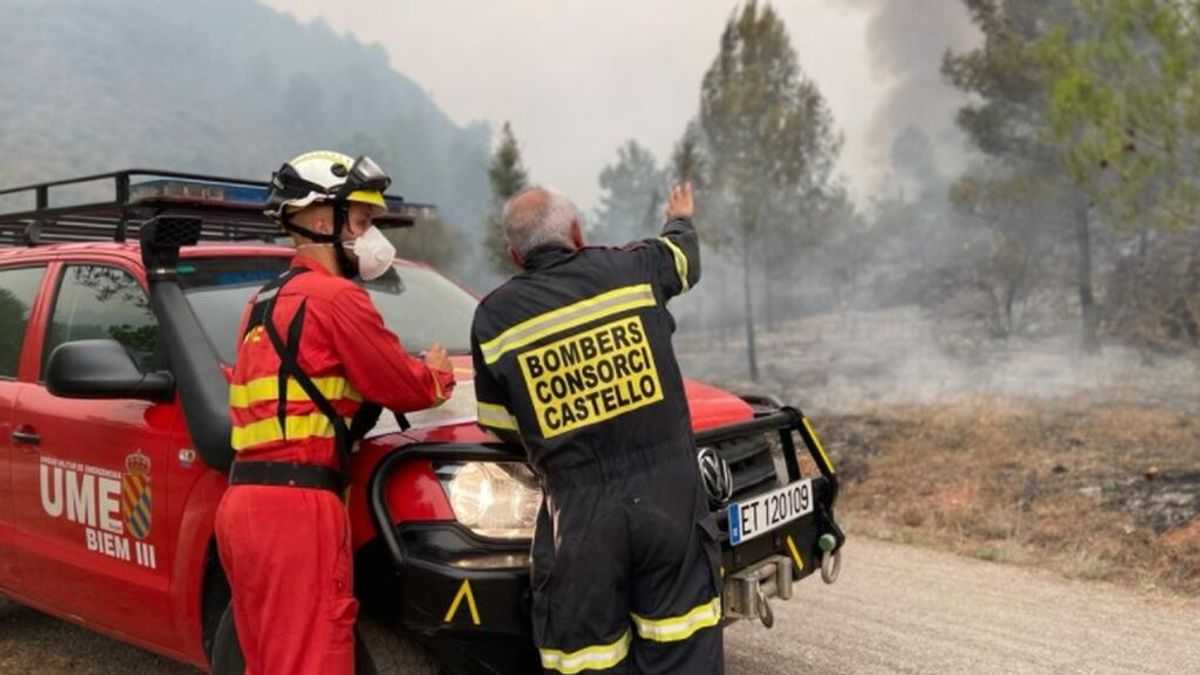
591	376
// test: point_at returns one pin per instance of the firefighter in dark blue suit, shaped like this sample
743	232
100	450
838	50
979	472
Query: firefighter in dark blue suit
573	357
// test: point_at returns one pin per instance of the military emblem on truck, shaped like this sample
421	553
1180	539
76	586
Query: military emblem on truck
135	495
110	506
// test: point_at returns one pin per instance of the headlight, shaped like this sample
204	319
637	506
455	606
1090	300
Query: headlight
493	499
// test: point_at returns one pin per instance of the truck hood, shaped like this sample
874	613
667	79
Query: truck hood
713	407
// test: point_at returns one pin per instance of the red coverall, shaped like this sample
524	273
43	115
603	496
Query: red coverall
286	550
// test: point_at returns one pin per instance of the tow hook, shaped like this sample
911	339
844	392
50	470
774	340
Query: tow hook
747	592
831	560
764	610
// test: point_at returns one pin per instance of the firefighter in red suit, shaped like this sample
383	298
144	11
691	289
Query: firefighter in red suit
314	354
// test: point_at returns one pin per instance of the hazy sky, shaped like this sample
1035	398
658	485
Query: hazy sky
579	77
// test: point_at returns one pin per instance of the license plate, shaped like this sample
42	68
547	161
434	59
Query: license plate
752	517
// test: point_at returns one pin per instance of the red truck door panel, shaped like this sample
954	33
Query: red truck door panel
90	493
8	394
18	295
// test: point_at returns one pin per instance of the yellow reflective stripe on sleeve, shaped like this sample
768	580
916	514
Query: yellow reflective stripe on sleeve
820	448
598	657
267	389
563	318
681	262
676	628
495	416
299	427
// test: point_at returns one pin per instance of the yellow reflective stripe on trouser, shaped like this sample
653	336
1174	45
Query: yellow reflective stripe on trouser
563	318
681	262
299	427
598	657
495	416
673	629
267	389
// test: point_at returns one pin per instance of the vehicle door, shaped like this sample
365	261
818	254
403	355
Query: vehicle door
19	286
90	486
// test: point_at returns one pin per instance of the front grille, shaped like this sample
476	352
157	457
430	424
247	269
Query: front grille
750	463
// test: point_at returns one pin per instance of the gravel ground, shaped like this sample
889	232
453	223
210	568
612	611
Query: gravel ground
896	609
900	609
38	644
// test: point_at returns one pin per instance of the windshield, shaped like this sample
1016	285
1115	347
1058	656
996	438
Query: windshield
417	304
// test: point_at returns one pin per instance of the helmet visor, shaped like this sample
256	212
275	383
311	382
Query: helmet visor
366	175
290	183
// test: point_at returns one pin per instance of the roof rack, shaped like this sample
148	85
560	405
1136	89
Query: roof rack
112	207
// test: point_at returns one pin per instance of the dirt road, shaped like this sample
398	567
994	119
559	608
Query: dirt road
901	609
896	609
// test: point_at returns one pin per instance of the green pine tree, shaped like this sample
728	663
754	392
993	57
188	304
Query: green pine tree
507	176
770	143
1123	89
1124	107
632	198
687	161
1009	117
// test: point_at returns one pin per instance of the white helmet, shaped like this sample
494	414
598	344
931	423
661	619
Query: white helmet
324	176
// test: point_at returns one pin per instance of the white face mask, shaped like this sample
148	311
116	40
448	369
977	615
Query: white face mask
374	252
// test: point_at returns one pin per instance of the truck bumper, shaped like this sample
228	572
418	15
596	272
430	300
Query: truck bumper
464	600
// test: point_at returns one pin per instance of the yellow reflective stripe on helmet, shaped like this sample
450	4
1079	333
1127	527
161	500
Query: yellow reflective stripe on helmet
327	155
598	657
267	389
675	628
299	427
495	416
563	318
681	262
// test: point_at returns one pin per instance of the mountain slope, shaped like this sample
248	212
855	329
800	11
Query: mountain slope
223	86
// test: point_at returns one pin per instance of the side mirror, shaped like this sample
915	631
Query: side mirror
103	369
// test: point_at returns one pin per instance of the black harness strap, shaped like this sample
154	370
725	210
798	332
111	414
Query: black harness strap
288	352
290	366
266	293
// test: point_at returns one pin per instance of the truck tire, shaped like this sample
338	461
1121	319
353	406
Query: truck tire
377	651
227	653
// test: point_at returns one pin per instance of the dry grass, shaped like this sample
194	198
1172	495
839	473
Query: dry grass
1104	493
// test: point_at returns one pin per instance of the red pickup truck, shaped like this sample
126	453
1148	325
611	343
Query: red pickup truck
118	318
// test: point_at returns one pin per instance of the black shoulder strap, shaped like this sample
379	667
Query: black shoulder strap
290	367
263	299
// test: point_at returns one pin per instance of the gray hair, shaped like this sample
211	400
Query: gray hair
529	222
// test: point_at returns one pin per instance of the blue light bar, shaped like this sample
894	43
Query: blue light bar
216	193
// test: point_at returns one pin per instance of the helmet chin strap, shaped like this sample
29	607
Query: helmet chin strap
346	265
